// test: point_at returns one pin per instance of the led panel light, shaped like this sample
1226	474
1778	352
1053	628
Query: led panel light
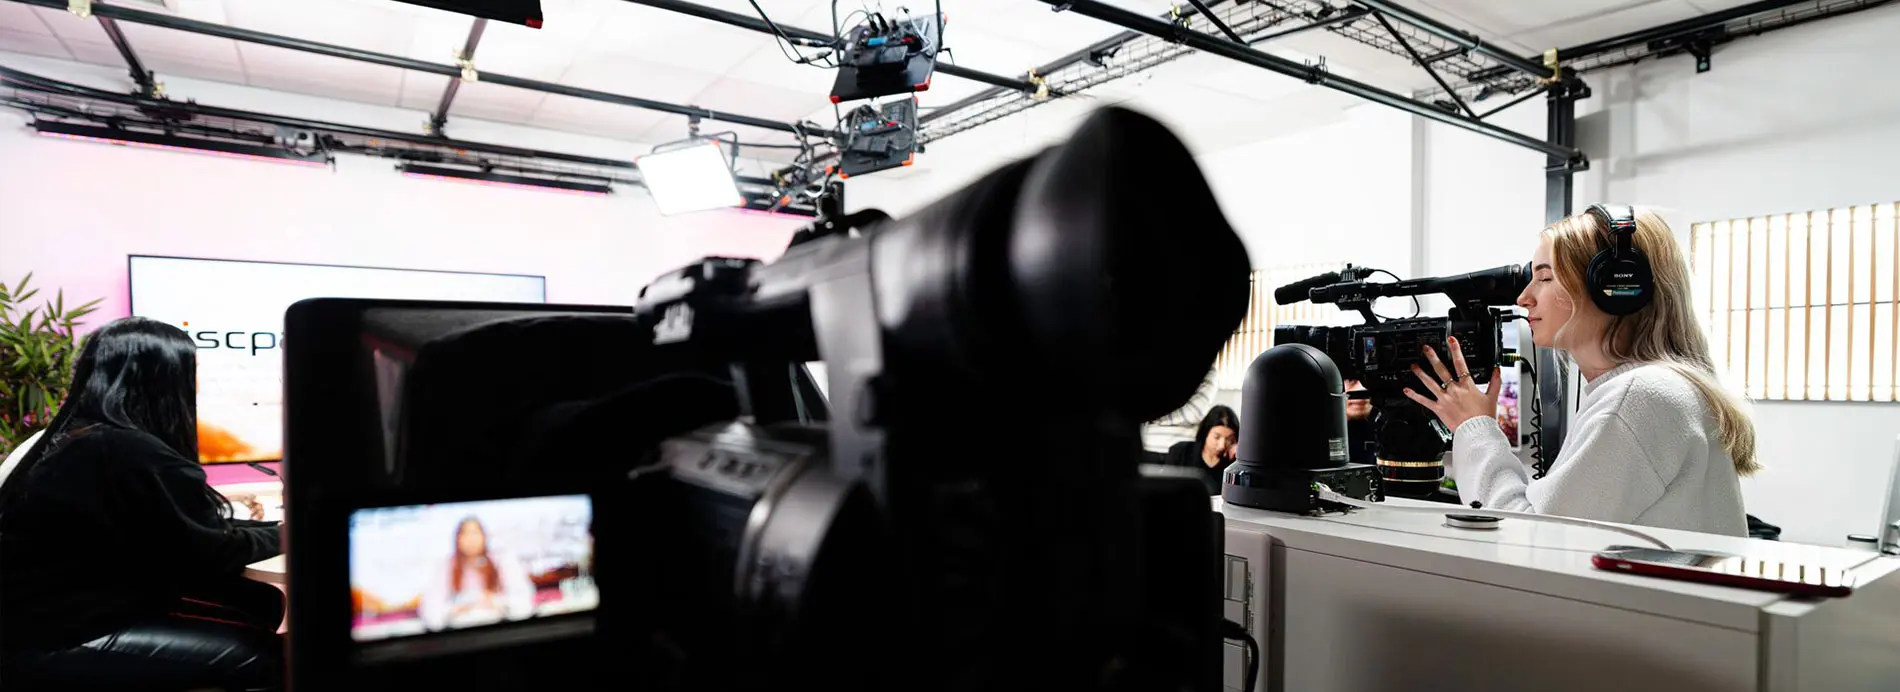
153	140
502	180
689	179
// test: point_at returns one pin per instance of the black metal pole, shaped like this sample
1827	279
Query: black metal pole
807	37
1553	375
1528	94
1345	16
1409	16
1407	45
441	116
139	74
1047	68
1314	75
248	36
1218	24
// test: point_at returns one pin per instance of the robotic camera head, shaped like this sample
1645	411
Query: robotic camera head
667	499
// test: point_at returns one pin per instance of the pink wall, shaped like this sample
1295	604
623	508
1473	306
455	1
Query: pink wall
71	211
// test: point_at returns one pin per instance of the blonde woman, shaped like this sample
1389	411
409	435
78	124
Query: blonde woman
1656	441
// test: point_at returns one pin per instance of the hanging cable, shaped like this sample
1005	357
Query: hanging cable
789	49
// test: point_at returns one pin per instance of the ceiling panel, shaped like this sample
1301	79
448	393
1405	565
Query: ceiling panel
1025	21
518	51
1492	19
630	76
21	19
317	75
1596	26
384	27
203	10
767	65
186	55
32	44
68	25
96	53
670	38
582	116
499	103
422	91
758	100
440	41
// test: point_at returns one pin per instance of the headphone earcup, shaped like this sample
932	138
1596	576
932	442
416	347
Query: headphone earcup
1620	286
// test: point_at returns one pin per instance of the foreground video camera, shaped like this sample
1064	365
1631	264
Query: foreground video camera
675	506
1381	353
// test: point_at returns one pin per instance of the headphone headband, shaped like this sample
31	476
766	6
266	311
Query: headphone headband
1621	220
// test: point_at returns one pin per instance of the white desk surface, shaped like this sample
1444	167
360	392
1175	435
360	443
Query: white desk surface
1552	559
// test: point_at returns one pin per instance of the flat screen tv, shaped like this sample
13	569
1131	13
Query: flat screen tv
234	310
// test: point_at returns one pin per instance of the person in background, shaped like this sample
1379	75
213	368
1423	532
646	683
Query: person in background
1656	440
1361	444
1213	448
476	585
120	567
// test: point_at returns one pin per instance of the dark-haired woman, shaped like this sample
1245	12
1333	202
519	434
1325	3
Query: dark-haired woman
1212	449
119	565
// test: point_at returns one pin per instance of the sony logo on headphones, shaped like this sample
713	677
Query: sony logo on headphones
1622	276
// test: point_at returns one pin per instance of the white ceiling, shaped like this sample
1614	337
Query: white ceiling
620	47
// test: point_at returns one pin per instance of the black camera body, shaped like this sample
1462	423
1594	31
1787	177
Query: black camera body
1381	353
744	531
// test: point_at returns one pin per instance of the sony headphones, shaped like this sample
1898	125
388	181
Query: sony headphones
1619	279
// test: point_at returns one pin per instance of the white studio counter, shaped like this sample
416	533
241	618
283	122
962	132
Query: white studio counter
1386	600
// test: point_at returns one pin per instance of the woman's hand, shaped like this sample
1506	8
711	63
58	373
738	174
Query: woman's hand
1457	400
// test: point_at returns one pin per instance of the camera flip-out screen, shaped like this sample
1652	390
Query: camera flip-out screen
421	569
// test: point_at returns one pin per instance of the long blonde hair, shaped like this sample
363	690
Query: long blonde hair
1666	331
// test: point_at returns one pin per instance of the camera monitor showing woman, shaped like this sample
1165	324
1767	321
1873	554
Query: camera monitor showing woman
432	568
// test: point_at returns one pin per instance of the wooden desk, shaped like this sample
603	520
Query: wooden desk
269	571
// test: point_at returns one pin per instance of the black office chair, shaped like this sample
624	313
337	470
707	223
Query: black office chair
1763	530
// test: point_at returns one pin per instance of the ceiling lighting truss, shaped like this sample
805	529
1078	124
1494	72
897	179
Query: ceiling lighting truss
55	103
1256	21
1695	36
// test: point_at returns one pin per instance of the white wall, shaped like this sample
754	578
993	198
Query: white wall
1799	119
71	211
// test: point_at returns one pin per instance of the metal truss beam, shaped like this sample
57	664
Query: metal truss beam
1696	35
126	14
1310	73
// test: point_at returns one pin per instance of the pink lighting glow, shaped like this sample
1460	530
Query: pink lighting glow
496	183
189	150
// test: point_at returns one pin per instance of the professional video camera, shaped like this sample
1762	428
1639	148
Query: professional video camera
1381	352
559	497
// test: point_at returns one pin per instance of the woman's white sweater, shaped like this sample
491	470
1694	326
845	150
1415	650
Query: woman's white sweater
1643	449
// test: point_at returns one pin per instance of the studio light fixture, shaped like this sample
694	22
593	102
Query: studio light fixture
690	177
481	177
172	142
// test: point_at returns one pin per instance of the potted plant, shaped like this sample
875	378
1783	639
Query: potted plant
37	349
